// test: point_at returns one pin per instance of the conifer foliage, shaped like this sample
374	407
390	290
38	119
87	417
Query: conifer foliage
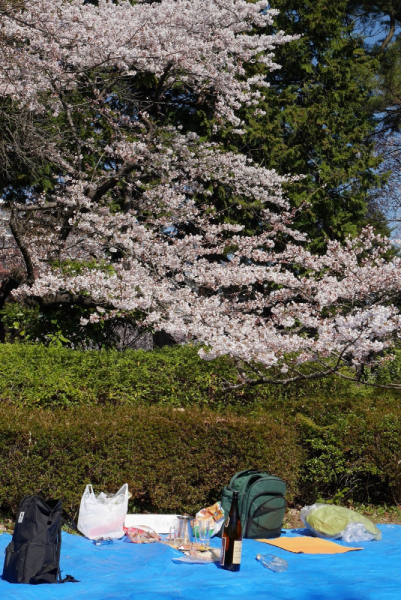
314	118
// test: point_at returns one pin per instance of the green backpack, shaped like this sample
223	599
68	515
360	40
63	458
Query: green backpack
261	503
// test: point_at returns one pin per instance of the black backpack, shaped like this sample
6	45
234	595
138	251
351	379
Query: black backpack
33	555
261	503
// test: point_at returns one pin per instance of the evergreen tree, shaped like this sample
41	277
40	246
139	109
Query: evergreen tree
380	24
315	122
380	20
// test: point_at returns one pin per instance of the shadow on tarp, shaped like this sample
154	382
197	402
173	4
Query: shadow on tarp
124	571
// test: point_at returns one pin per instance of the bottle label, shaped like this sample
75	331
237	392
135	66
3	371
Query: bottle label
237	553
223	550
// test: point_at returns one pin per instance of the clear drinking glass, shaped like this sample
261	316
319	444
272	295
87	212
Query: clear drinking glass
203	534
174	532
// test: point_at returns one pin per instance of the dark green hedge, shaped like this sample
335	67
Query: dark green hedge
355	455
179	459
173	460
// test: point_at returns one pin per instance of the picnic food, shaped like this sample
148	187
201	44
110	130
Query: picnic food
211	512
141	535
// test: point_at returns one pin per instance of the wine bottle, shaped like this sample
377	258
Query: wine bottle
231	539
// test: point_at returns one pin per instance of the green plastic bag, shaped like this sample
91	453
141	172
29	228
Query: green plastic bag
334	522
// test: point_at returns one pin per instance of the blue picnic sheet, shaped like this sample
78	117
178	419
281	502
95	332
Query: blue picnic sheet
125	571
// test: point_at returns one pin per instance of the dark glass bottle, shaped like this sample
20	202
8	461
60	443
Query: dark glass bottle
231	539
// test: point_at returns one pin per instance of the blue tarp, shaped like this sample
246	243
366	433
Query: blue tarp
125	571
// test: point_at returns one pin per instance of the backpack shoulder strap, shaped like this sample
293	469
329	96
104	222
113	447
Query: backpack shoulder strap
69	521
241	474
67	578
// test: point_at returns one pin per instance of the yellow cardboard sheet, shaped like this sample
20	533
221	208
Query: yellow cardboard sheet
308	545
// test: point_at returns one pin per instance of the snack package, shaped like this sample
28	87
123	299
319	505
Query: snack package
214	514
141	535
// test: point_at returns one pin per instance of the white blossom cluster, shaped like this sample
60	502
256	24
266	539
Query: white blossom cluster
203	42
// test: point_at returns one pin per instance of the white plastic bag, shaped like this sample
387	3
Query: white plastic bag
357	532
332	522
103	515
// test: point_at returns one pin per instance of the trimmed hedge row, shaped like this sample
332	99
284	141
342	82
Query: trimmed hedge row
179	460
34	375
173	460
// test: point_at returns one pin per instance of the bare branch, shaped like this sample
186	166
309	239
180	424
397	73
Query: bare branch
15	230
22	208
389	36
149	125
160	84
109	184
248	381
370	384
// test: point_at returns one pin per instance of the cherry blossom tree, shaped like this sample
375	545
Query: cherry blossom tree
129	226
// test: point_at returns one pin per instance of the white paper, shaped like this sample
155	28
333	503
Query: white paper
159	523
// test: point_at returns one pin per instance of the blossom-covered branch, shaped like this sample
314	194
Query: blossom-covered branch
131	225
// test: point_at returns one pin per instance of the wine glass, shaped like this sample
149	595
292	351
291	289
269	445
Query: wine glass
174	533
203	533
